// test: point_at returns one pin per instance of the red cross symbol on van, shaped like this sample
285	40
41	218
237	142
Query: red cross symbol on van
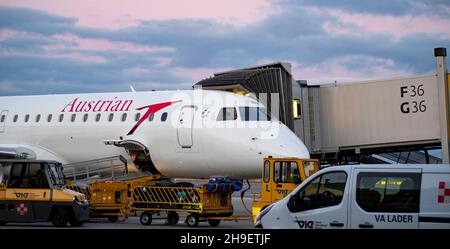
22	209
444	192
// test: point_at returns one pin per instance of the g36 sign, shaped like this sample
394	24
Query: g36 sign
416	105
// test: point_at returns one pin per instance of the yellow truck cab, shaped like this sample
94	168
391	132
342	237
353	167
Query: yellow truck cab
279	177
34	191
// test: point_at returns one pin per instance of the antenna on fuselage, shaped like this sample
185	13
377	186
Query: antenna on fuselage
132	89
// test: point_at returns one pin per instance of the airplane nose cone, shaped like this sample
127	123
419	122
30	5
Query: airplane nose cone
283	143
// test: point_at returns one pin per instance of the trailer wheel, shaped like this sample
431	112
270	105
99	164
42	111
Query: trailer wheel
60	217
172	218
192	220
214	223
146	218
113	219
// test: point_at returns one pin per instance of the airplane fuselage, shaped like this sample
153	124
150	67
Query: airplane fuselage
184	133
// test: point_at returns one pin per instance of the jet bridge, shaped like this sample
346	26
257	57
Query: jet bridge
376	117
347	122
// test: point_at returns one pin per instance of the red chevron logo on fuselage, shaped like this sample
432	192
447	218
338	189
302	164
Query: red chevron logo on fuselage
150	109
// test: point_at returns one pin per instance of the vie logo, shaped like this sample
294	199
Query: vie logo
21	195
305	224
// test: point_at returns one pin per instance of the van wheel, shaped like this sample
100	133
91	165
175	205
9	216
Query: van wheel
214	223
113	219
76	223
192	220
172	218
146	218
60	217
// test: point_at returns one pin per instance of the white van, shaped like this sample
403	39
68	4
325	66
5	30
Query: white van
366	196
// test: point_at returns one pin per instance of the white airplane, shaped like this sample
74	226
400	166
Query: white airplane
180	134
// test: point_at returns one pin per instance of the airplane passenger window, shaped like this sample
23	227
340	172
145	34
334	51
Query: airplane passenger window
27	117
97	118
85	117
3	118
38	117
49	118
152	115
61	117
138	116
164	117
111	117
15	118
124	117
73	117
253	114
227	113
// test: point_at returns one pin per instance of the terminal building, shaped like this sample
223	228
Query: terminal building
401	120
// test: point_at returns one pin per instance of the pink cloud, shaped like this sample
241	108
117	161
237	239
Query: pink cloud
105	45
334	69
53	54
196	74
7	33
118	14
398	26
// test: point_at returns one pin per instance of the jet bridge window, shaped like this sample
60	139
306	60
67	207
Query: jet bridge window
253	114
388	192
227	113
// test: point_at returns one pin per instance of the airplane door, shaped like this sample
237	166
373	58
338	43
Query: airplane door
185	126
3	116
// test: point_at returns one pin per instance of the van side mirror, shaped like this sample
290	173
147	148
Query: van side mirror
293	203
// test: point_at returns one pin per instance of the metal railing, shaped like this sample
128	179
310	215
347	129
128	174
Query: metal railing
110	168
156	197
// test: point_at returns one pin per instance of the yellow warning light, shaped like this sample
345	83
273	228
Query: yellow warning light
390	182
296	109
239	91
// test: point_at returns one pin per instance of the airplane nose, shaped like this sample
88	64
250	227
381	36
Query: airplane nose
283	143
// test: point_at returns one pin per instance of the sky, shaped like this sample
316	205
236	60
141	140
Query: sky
74	46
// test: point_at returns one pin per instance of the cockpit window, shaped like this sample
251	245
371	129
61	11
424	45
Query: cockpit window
227	113
253	114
